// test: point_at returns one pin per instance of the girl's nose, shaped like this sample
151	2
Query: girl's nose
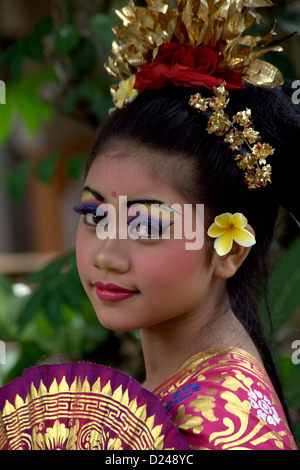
111	256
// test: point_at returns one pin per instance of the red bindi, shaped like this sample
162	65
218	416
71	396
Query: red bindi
114	194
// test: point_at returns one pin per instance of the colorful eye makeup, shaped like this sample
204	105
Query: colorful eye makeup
90	207
145	219
92	213
144	226
147	227
148	221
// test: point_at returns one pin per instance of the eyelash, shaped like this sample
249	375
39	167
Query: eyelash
156	224
86	209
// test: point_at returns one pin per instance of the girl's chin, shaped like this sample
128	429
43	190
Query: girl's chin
116	319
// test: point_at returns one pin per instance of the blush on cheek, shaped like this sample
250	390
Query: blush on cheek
174	265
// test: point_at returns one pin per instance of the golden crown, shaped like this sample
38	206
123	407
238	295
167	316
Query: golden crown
198	43
218	25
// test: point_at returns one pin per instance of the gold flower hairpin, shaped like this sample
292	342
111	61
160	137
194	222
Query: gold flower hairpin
237	132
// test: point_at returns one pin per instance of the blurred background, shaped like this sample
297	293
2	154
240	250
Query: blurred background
53	95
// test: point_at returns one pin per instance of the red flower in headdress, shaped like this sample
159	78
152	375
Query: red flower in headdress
183	65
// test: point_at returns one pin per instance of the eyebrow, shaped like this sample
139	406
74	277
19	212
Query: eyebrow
146	202
100	198
94	193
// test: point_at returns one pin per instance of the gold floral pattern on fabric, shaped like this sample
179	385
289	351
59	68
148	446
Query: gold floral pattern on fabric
223	399
77	412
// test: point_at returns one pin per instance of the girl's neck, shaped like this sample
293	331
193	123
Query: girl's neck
167	347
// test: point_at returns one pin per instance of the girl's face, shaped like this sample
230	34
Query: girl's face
166	281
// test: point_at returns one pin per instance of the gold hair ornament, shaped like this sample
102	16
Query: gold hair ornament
216	25
199	44
237	132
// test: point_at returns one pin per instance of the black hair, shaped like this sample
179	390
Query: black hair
163	121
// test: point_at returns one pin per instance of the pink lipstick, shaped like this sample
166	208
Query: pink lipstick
112	292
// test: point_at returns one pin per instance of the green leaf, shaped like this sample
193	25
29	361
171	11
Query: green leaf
28	46
34	50
282	62
52	269
101	106
58	282
45	170
53	305
71	288
66	39
75	97
31	108
5	296
289	21
5	285
102	24
296	431
284	287
285	366
15	65
75	166
16	180
6	115
292	388
84	58
32	306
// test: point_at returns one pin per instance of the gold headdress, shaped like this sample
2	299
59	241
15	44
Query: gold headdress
200	43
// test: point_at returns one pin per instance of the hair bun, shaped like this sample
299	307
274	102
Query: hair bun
278	119
286	161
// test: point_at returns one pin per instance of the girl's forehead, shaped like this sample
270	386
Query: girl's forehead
121	171
128	172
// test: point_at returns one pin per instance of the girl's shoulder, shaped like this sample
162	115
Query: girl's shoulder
222	398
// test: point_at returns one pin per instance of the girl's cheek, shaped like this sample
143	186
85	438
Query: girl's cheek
170	265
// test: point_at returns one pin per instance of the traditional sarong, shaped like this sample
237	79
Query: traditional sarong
223	399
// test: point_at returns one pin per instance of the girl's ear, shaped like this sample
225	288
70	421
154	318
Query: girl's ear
226	266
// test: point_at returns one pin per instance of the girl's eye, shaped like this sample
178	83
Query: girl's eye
138	227
92	219
93	215
148	228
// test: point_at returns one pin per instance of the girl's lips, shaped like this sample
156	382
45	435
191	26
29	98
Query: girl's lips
112	292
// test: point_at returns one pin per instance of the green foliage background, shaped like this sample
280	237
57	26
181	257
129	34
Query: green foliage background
56	317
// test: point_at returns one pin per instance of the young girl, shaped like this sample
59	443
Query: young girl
197	310
153	166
